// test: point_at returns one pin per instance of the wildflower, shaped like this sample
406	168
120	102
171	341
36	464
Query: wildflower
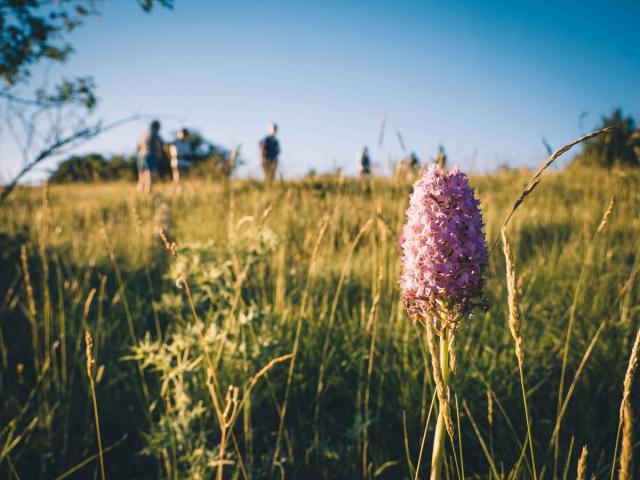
444	252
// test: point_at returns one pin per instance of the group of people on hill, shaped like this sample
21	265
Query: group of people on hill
408	167
151	150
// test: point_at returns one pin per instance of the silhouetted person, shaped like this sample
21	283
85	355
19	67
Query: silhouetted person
441	158
269	152
635	142
365	162
408	167
181	154
149	153
234	156
414	162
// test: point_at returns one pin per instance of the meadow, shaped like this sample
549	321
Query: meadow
263	336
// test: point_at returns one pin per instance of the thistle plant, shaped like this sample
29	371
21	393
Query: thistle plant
444	254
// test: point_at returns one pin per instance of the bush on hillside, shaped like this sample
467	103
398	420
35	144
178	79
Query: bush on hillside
209	160
620	148
94	168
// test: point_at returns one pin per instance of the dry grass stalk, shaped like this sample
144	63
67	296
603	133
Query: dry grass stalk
516	333
607	213
582	465
626	413
535	180
31	305
89	354
489	408
424	438
537	177
452	353
514	309
226	415
631	367
626	450
227	419
441	389
263	371
171	246
483	444
89	367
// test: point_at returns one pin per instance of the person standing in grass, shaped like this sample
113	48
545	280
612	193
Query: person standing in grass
365	162
149	153
635	142
269	152
441	158
408	167
181	154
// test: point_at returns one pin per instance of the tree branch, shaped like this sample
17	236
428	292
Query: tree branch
55	148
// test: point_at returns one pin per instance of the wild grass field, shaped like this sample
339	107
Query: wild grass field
270	341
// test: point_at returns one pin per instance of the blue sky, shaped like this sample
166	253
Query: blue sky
487	79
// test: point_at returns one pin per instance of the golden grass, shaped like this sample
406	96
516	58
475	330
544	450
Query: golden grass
516	333
89	365
626	414
582	465
370	343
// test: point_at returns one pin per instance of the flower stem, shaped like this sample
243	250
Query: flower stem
437	455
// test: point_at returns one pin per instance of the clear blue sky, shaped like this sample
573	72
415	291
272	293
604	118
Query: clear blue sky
487	79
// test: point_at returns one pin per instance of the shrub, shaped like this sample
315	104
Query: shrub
620	148
93	168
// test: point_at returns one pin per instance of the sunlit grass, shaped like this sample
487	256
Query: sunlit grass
361	368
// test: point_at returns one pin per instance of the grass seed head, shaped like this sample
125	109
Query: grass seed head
626	413
514	309
605	217
89	353
582	465
626	450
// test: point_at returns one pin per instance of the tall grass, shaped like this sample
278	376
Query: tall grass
305	273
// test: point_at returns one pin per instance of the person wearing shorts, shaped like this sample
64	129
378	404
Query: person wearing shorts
181	155
149	152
